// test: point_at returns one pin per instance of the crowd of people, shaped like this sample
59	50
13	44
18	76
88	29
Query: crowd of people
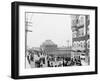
64	61
40	59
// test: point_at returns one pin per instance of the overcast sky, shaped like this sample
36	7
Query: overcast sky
49	27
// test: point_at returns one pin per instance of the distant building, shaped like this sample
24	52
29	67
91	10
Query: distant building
48	46
52	49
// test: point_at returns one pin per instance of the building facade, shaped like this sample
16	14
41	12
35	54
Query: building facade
80	36
52	49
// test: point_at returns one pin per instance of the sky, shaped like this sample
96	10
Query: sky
53	27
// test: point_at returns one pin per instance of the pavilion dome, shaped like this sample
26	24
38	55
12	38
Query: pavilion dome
48	42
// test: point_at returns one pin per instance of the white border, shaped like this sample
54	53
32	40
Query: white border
38	71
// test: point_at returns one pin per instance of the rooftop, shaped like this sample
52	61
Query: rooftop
48	42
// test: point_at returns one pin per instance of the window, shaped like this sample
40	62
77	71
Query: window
88	30
74	45
74	34
81	20
82	44
88	44
81	32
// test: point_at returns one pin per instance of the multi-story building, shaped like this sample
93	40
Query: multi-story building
80	36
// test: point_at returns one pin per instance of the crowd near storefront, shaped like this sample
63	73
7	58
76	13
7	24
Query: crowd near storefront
50	55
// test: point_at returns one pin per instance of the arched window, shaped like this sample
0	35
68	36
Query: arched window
88	43
78	45
81	44
84	44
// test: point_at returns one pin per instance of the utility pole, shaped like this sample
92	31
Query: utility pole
28	23
68	43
